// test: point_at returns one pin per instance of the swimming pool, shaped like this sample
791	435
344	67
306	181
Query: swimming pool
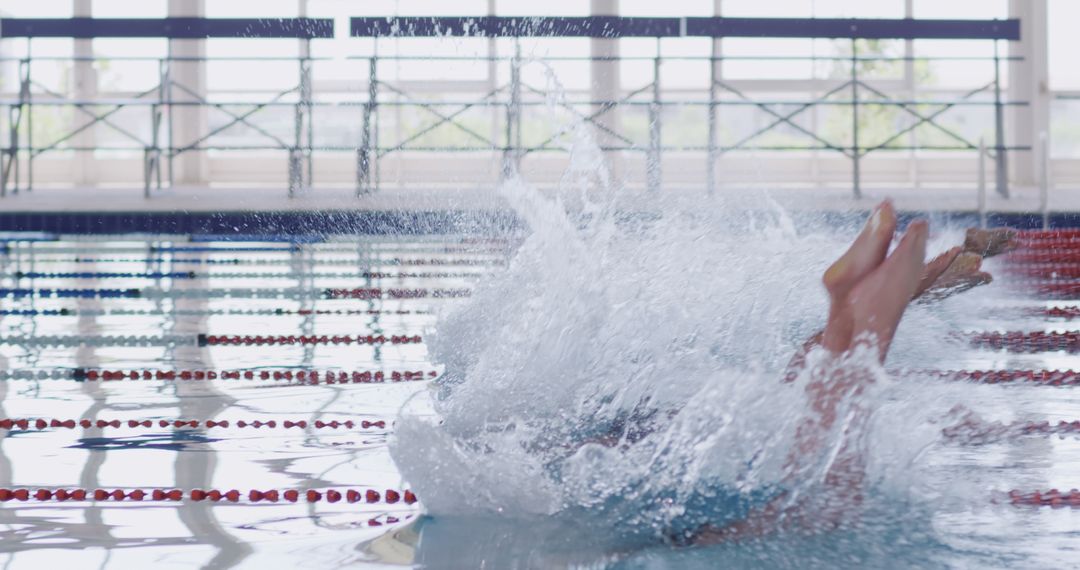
175	401
145	364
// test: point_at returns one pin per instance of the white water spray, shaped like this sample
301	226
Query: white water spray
628	354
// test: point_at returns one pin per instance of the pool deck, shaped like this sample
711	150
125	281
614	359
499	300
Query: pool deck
216	209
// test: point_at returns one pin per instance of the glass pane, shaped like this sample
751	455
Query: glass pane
1064	44
50	69
762	58
669	8
128	64
1065	128
858	9
260	9
439	8
957	64
37	9
961	9
234	68
128	9
529	7
772	9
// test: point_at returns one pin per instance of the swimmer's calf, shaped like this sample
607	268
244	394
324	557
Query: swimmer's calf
868	296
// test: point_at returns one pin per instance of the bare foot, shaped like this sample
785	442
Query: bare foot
877	303
865	254
933	270
965	272
867	308
988	243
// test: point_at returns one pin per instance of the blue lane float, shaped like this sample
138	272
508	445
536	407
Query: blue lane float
205	249
244	275
103	275
72	293
363	293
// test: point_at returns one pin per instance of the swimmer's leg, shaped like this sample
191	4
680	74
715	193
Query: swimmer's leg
878	302
991	242
959	269
873	308
876	305
965	272
935	268
865	254
951	272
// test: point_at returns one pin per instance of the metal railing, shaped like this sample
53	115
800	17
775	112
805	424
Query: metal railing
515	95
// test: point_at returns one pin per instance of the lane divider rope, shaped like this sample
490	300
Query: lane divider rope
371	293
375	293
144	246
371	257
364	259
19	275
1014	341
259	340
1027	342
981	432
1067	312
367	496
304	376
43	424
65	312
272	238
1051	233
1052	498
1048	244
206	340
1048	289
1041	256
1044	271
307	376
1042	377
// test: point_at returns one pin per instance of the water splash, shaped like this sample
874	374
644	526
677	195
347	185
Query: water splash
626	367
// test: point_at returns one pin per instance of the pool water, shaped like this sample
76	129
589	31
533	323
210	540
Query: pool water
310	336
74	313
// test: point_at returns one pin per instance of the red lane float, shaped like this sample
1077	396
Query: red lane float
1028	342
367	496
260	340
1041	256
41	424
304	376
1049	243
1048	289
1044	288
1045	271
1066	312
1040	377
1051	498
375	293
1046	428
1049	234
1069	312
976	433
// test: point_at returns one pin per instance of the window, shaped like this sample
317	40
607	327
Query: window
1064	44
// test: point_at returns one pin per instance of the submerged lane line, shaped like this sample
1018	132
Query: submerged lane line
65	312
41	424
367	496
156	293
208	340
